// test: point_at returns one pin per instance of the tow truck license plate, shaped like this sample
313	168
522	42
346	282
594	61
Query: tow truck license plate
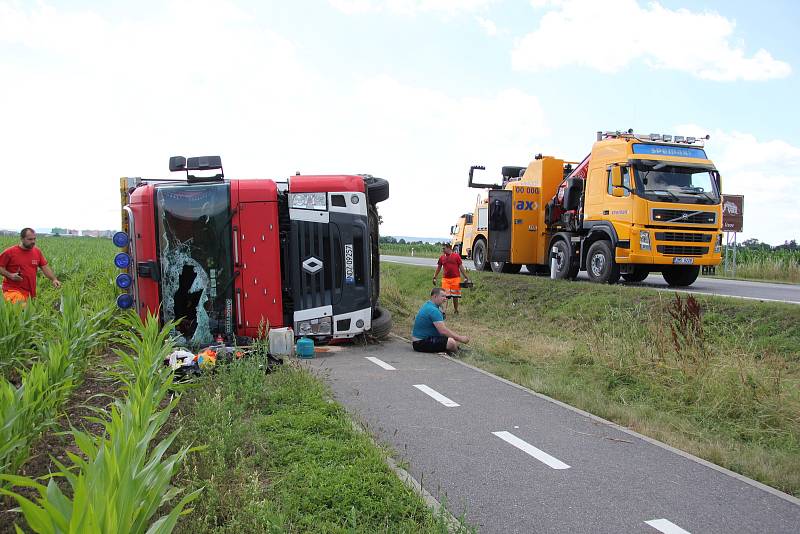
683	261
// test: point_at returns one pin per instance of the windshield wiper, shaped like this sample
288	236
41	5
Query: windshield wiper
667	191
697	191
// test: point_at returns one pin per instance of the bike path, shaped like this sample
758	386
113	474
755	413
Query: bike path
511	460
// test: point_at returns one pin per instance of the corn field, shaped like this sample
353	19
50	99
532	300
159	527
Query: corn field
779	265
120	479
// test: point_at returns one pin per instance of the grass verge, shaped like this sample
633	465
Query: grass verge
716	377
283	457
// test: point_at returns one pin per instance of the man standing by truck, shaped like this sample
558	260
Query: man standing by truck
18	266
451	279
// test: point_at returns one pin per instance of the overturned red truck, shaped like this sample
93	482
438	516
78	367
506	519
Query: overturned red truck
230	257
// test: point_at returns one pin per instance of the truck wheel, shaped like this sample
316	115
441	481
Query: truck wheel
506	267
457	249
566	267
681	276
377	189
375	259
479	255
381	323
600	264
638	274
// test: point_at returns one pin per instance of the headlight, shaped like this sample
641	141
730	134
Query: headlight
308	201
321	326
644	240
718	246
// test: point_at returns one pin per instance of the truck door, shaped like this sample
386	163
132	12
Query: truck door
499	225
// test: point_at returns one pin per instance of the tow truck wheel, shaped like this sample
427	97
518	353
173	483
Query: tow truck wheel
637	275
479	255
457	249
377	189
566	268
681	275
600	264
506	267
381	323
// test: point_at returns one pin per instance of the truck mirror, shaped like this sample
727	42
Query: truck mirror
452	230
616	177
617	192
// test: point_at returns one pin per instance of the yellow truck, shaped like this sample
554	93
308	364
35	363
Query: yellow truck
635	205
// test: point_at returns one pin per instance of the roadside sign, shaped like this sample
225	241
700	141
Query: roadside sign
732	213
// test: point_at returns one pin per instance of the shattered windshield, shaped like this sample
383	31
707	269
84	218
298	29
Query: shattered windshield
196	261
664	182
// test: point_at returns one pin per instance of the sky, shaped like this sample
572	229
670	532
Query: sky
414	91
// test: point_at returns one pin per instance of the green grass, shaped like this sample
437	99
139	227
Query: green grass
283	457
724	385
424	250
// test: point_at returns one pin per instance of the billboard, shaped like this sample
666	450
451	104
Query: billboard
732	213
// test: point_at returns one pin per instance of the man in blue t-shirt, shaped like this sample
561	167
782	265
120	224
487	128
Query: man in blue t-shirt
430	333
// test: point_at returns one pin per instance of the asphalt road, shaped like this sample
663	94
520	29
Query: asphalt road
789	293
512	460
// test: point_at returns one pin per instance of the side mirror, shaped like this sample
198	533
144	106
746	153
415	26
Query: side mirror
452	230
617	192
616	177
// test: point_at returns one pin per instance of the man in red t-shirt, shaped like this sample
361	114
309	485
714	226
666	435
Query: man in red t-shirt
18	265
451	279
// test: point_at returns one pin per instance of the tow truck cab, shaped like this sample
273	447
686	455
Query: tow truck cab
233	257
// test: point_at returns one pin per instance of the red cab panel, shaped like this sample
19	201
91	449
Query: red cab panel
143	246
257	259
326	184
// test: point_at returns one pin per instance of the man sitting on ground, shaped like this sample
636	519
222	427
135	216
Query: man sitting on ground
430	333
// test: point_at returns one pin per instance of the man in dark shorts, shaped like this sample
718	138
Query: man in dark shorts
430	333
453	271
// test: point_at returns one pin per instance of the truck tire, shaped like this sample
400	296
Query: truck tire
381	323
457	249
505	267
681	275
638	275
479	255
600	264
377	189
566	267
375	259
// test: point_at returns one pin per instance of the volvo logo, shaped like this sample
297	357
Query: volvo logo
312	265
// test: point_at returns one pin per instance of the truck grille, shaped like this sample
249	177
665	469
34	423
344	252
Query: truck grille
315	244
679	250
683	237
684	216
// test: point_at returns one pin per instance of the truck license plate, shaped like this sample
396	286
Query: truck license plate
683	261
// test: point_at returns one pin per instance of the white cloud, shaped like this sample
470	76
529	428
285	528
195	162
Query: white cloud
767	173
411	7
488	26
123	96
608	36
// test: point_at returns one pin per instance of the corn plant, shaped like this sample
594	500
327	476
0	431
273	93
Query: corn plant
122	478
16	324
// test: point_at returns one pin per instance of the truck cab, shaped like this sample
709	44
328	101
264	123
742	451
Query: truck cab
234	257
460	235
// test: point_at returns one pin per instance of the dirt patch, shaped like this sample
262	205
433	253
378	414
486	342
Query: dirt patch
95	392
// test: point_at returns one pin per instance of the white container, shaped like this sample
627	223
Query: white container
281	341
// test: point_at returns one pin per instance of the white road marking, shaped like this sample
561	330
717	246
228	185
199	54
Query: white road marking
378	361
667	527
524	446
438	397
